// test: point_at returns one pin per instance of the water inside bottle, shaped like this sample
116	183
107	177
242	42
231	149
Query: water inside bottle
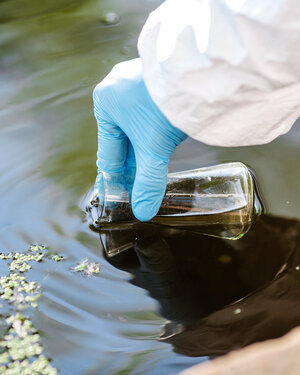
219	201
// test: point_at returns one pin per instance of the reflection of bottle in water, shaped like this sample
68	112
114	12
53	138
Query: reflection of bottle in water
218	201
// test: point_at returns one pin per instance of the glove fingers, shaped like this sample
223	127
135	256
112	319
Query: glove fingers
112	147
149	187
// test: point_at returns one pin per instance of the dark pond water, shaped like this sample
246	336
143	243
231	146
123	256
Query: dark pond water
52	54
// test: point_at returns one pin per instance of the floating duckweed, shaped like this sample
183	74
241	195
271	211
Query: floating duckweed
8	256
16	289
37	248
20	261
20	348
87	268
81	266
57	258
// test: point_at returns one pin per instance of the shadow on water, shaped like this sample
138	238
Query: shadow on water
220	295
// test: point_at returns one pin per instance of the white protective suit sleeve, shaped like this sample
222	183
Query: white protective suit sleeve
226	72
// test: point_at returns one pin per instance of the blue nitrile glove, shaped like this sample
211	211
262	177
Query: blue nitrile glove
133	133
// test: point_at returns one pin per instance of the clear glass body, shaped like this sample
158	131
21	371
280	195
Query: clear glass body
218	201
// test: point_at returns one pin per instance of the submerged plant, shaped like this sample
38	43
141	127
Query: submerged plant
20	347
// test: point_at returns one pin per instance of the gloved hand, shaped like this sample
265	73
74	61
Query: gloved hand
134	136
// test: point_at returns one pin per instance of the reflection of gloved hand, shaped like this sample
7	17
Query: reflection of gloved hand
134	134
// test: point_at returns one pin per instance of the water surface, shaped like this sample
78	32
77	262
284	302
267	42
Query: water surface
52	54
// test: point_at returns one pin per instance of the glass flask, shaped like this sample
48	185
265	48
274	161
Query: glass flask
219	201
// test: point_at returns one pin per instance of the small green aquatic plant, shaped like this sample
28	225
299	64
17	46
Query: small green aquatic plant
20	346
57	258
87	268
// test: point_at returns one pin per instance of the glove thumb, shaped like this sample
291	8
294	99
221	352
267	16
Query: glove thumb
149	187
